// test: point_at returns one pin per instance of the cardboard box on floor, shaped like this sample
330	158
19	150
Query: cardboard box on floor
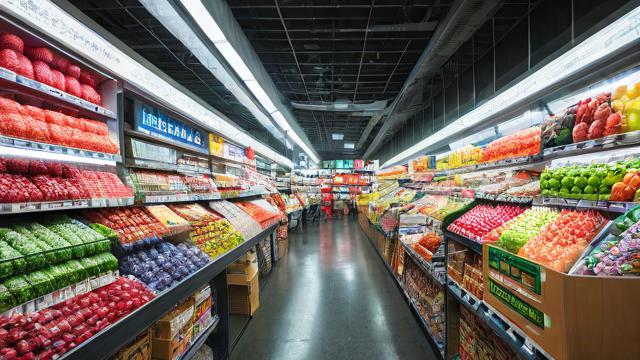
282	247
139	349
244	287
569	316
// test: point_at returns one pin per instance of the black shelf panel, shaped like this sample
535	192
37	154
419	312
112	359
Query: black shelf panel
426	266
473	245
202	338
107	342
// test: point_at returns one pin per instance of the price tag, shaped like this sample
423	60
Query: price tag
69	293
81	287
112	202
7	74
30	307
41	303
570	147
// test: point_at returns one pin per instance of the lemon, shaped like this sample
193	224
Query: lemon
619	92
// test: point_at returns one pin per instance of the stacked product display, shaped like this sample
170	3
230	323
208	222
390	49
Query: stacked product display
529	213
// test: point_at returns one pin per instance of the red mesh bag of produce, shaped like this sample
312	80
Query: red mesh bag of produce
59	62
17	166
33	112
26	67
37	131
58	80
13	125
90	94
39	53
37	167
60	134
73	122
87	78
70	171
42	72
95	127
54	168
83	192
11	41
73	70
54	117
72	86
8	106
9	60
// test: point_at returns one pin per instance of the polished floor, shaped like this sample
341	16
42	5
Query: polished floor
330	297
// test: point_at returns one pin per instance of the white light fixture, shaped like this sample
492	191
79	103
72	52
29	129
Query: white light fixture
337	136
203	18
349	145
612	38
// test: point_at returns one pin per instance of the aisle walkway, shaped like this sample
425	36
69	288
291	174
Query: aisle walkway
332	298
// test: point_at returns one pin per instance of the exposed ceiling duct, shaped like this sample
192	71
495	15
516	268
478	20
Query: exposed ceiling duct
343	106
462	21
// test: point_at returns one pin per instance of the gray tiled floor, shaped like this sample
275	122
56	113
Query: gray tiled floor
331	298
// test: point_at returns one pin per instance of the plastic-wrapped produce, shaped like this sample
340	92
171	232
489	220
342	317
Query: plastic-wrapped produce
41	282
7	301
32	252
20	289
62	251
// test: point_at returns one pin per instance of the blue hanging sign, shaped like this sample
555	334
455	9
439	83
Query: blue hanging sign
152	121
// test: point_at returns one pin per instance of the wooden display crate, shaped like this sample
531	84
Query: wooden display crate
568	316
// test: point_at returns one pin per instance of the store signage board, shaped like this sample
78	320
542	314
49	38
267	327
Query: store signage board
216	145
233	152
516	304
153	121
524	272
50	19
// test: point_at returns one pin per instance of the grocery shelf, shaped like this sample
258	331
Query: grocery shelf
18	83
160	199
19	208
426	266
158	165
202	338
411	303
105	343
498	323
157	139
10	142
473	245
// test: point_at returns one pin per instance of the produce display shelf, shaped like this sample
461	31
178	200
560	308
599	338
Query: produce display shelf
504	198
412	305
105	343
473	245
19	208
9	79
63	294
244	194
520	161
498	323
202	338
604	143
610	206
426	266
159	199
7	141
158	165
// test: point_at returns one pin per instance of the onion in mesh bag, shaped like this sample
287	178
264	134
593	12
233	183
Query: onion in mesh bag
39	53
26	67
42	72
11	41
59	63
58	80
72	86
73	70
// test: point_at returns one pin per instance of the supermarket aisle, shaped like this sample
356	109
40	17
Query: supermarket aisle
332	298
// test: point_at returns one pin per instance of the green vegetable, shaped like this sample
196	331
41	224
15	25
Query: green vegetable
106	262
611	179
604	197
594	181
604	189
37	233
554	184
589	189
6	299
567	182
31	251
581	182
20	289
41	282
636	198
545	176
545	192
11	261
544	185
634	214
576	190
592	197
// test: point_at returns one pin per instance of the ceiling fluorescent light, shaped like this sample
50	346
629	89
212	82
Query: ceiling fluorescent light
349	145
234	60
612	38
262	96
202	17
337	136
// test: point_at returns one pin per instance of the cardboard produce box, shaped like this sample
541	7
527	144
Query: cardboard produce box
172	349
243	272
244	296
568	316
139	349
